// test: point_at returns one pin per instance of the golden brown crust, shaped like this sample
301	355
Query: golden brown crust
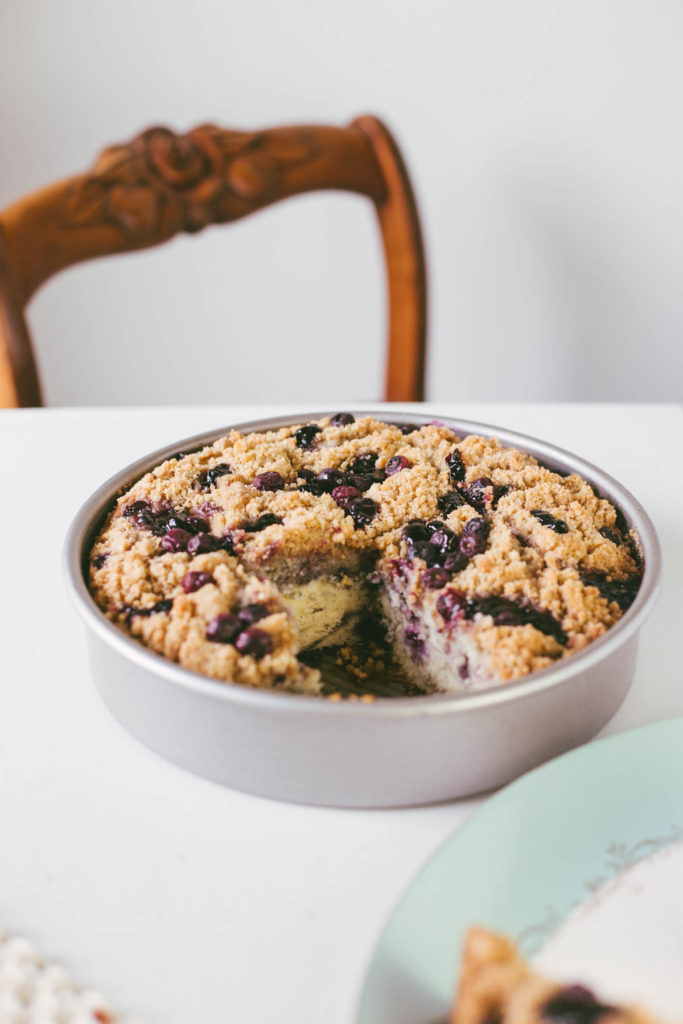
490	968
496	985
525	561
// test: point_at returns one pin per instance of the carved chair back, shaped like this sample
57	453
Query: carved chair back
143	193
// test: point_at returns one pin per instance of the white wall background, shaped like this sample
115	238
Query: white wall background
545	140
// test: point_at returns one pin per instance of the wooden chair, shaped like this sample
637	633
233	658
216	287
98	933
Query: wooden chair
143	193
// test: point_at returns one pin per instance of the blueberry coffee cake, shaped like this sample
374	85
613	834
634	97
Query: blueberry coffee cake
462	562
497	985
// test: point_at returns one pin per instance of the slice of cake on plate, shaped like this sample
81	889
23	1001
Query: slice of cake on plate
497	986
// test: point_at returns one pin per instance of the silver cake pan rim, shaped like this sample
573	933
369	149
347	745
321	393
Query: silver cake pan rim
90	515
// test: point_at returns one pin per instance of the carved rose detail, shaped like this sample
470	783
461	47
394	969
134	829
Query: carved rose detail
161	182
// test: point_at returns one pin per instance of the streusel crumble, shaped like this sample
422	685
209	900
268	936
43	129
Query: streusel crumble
470	563
496	984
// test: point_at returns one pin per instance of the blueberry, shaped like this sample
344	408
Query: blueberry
328	479
158	522
417	536
451	605
545	622
608	534
444	539
164	521
456	467
342	419
202	543
415	643
546	519
251	613
193	581
224	629
472	544
364	463
310	482
508	613
449	502
455	561
344	495
267	519
363	483
396	464
164	605
137	508
425	550
435	578
209	477
269	481
477	527
144	516
622	591
363	511
305	436
405	428
99	560
255	642
480	493
508	617
194	524
415	531
175	540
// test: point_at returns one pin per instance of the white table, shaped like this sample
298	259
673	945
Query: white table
179	899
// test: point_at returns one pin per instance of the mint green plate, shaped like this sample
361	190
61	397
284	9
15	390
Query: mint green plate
528	857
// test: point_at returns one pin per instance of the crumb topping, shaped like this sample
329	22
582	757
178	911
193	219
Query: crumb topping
208	534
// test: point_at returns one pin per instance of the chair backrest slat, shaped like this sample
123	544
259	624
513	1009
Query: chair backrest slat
144	192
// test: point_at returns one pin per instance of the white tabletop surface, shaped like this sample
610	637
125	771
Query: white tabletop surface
180	899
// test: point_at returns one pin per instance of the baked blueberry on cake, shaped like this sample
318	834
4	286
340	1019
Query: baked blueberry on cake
470	562
497	985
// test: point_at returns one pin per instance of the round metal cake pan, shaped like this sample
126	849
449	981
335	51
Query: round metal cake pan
393	751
